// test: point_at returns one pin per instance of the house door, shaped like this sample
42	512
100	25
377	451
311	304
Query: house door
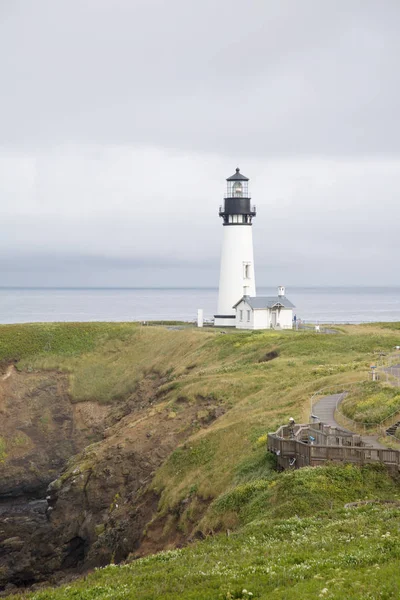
273	318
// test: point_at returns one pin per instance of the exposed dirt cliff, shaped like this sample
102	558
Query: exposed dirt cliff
98	460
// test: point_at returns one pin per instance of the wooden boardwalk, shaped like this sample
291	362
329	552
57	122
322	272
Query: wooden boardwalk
312	445
324	440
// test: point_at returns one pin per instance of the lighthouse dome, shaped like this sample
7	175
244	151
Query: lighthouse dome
237	176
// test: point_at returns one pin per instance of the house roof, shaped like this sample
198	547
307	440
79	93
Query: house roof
257	302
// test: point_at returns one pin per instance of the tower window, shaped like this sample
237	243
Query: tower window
246	270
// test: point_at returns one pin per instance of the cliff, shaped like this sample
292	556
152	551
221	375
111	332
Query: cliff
118	441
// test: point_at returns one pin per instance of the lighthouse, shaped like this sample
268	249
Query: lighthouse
237	259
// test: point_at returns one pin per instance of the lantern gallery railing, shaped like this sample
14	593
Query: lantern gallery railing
253	210
316	444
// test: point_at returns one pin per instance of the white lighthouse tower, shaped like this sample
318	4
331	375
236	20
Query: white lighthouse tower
237	260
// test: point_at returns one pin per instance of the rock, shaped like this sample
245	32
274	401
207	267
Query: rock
94	507
13	542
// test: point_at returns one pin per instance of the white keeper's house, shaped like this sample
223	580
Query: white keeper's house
237	276
264	312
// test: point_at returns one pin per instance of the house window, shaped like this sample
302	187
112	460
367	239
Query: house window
241	315
248	315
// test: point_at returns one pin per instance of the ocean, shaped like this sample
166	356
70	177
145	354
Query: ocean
313	304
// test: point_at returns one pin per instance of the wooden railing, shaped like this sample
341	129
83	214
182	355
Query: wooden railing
294	453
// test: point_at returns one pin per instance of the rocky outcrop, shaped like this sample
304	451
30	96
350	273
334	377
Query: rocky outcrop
36	431
27	548
96	508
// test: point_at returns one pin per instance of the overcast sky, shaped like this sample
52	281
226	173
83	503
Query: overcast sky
121	119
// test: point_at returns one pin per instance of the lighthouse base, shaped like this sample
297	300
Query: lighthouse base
224	320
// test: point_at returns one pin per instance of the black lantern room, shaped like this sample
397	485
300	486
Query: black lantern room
237	209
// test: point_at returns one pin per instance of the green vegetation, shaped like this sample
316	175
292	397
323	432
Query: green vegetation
19	341
106	360
3	447
304	492
371	402
300	542
290	535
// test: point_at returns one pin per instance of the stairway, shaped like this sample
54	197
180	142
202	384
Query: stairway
392	429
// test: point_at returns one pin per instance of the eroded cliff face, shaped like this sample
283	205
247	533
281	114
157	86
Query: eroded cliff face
40	429
37	434
97	463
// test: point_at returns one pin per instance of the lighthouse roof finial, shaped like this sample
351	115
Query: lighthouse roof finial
237	176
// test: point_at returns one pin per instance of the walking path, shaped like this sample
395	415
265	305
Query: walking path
325	408
394	370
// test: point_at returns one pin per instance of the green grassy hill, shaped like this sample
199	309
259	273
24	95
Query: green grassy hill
371	402
350	553
274	535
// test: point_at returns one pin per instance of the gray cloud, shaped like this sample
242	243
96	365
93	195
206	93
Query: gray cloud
266	78
120	120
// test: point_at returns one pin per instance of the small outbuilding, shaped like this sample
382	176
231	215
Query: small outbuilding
264	312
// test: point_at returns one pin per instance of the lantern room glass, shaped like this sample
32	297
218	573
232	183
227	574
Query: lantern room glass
237	189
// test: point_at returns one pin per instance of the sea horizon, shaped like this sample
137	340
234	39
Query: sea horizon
314	304
162	287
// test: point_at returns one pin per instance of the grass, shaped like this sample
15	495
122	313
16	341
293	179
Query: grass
62	339
293	538
105	362
303	492
371	402
327	551
3	450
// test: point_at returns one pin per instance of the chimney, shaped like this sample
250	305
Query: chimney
281	290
